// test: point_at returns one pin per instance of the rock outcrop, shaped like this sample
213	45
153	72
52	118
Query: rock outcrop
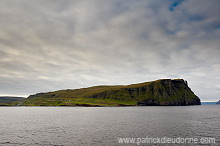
218	102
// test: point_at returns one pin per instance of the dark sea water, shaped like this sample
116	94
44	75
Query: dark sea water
208	103
104	125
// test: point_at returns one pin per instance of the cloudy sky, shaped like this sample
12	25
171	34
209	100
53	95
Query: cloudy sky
48	45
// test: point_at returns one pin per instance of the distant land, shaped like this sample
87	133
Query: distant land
218	102
163	92
9	99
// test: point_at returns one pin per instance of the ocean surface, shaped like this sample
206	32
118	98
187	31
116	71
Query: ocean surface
208	103
106	125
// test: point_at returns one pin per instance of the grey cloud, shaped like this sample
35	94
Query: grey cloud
50	45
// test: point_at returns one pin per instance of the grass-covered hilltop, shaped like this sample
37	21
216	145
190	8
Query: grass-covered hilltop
161	92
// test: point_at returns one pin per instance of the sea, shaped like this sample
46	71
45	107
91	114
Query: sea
110	126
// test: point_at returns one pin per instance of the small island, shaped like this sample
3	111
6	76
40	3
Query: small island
163	92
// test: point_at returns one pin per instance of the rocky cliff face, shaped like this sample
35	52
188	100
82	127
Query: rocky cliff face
168	92
165	92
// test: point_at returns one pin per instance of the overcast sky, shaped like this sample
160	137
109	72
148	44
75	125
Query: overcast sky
48	45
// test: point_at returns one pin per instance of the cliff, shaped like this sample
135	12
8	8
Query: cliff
164	92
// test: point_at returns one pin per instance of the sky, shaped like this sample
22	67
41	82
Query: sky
48	45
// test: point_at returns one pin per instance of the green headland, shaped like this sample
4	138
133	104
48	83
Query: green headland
165	92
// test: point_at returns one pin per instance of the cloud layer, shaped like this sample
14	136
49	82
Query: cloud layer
51	45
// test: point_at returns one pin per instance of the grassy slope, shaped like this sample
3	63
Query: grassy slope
76	97
103	95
